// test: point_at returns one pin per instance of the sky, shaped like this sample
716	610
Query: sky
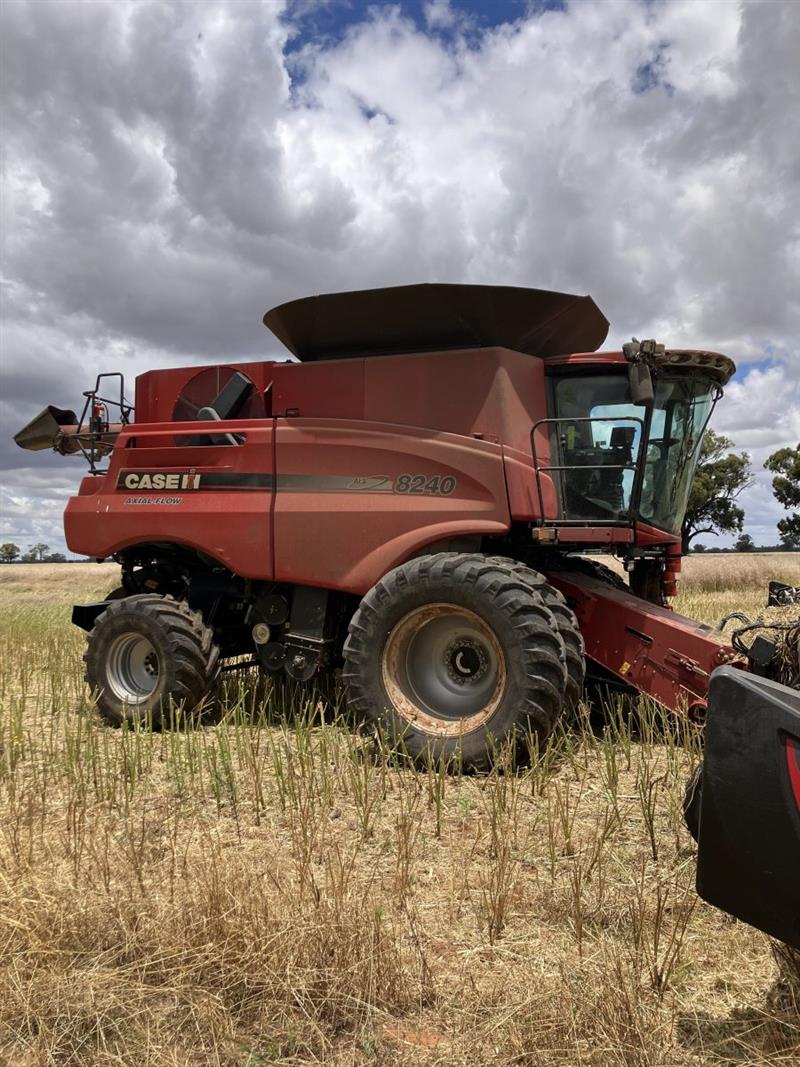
172	170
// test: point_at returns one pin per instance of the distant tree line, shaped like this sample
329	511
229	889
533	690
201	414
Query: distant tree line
744	543
721	476
38	553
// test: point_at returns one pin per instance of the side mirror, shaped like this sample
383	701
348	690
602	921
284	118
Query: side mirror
640	382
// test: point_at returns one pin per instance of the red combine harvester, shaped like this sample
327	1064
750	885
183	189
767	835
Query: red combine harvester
408	502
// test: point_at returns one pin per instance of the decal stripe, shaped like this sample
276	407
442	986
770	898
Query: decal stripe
335	483
194	480
232	480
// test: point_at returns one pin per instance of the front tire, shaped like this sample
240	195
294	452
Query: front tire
147	656
454	655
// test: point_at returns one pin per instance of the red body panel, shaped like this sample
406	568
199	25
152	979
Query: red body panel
157	390
339	522
465	415
491	393
334	519
657	651
234	527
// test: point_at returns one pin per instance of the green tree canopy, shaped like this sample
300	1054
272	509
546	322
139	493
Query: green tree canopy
744	543
9	552
720	477
785	465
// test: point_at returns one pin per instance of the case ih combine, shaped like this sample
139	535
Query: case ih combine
407	501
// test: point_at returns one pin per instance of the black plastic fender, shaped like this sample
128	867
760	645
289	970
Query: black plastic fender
749	804
85	615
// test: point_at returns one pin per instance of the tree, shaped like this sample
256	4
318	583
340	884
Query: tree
55	557
720	477
38	551
744	543
785	465
9	552
699	548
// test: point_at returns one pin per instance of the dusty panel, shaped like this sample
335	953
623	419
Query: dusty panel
158	390
489	392
354	499
319	390
217	499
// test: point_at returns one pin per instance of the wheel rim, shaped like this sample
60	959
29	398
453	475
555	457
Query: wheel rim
443	669
132	670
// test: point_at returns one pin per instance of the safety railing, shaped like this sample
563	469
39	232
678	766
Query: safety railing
549	468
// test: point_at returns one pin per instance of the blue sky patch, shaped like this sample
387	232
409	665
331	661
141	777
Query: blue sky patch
327	21
652	73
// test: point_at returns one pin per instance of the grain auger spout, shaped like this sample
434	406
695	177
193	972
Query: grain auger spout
91	434
60	430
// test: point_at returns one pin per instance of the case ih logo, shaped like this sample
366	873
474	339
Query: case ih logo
160	480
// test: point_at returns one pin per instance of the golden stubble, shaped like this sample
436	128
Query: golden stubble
277	888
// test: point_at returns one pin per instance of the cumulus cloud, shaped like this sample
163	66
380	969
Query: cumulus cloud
172	170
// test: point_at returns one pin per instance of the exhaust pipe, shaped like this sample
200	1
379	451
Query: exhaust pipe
58	428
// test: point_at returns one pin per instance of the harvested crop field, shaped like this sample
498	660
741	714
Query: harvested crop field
276	889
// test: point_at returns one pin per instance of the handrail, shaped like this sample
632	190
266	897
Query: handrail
547	468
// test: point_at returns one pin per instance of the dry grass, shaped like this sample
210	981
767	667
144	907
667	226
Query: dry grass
274	890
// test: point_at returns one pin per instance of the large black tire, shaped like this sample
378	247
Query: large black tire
147	656
452	656
567	624
593	569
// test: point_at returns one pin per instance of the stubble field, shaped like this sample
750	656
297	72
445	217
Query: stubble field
275	889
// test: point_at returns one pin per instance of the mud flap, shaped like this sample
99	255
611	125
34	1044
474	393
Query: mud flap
749	813
85	615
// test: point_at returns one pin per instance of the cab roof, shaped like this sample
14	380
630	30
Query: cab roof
435	317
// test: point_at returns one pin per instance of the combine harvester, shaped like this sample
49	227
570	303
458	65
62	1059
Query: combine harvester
408	502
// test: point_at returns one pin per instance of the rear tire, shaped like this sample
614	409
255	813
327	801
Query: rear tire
567	624
454	655
147	656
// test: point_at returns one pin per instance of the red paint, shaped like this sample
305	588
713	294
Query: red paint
233	528
356	418
463	416
661	653
348	540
